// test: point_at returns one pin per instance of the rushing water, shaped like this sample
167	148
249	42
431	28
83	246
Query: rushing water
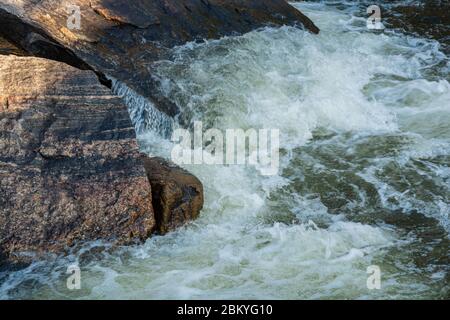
365	178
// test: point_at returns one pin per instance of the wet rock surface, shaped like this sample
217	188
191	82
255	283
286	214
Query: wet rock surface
70	169
177	194
122	38
429	19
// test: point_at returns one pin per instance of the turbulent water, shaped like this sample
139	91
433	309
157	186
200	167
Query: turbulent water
364	180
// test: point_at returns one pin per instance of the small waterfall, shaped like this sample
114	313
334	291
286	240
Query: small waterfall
144	115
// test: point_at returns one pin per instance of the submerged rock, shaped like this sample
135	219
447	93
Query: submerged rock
121	38
70	169
429	19
177	194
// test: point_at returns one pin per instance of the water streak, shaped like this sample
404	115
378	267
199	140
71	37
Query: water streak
144	115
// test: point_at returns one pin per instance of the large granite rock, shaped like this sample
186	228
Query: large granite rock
70	169
121	38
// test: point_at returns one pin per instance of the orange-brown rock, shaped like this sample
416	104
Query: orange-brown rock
177	194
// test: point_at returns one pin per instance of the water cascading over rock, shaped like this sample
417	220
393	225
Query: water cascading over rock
74	171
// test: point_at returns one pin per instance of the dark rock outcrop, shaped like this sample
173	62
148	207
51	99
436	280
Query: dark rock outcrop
429	18
70	169
122	38
177	194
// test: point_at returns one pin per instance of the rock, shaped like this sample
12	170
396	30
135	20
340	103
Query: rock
121	39
429	19
70	169
177	194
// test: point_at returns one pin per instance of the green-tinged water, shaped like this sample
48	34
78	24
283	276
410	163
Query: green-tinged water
364	180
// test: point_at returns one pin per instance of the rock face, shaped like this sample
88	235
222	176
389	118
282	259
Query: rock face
121	38
177	194
70	169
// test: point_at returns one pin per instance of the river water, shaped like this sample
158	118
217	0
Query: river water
364	181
